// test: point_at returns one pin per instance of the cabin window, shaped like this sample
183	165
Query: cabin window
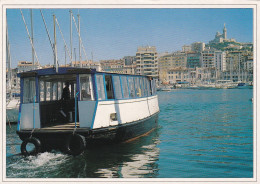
86	92
137	87
148	87
48	91
145	87
117	87
51	87
142	86
100	87
60	89
41	84
131	87
125	86
109	87
54	91
29	90
153	85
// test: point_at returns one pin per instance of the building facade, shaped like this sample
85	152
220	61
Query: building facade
193	60
147	61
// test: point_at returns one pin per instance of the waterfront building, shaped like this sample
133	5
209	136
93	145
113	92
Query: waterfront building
177	75
113	66
193	60
163	66
197	46
249	63
234	60
129	60
147	61
129	69
220	63
208	59
24	66
204	74
186	48
86	64
129	64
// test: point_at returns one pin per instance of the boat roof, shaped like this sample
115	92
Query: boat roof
66	70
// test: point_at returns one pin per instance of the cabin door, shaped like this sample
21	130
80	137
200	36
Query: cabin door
87	101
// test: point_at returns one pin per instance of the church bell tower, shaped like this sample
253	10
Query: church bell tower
225	32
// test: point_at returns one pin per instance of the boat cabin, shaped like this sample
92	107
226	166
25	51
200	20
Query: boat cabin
83	98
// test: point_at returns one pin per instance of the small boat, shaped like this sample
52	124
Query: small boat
166	88
74	108
225	84
12	109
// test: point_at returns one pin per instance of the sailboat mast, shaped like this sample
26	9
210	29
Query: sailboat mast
79	42
33	64
55	44
71	35
8	57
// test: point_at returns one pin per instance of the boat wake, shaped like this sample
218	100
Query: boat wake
40	165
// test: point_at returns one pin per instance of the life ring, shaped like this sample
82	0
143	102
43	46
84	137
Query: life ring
37	146
75	144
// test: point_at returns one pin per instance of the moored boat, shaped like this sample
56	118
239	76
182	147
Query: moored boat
93	108
12	110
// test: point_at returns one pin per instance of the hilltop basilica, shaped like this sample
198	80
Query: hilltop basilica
219	38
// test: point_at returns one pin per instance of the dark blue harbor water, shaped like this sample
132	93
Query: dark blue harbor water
201	134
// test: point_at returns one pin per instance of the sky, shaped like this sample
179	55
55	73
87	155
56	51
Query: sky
115	33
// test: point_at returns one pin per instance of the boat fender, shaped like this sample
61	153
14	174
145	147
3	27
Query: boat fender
37	146
75	144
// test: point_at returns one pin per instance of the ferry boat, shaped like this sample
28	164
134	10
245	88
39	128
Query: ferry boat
93	108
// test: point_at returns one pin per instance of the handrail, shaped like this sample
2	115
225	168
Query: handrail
76	113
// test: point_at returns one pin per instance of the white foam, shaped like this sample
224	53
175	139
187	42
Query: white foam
35	163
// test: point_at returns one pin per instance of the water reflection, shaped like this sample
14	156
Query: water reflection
135	159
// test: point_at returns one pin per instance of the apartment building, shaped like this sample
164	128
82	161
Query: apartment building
147	61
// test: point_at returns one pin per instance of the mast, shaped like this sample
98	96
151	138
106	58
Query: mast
8	58
55	45
65	55
239	66
71	35
79	42
32	39
75	56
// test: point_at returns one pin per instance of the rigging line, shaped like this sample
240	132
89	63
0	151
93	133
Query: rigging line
48	34
79	36
29	36
63	39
